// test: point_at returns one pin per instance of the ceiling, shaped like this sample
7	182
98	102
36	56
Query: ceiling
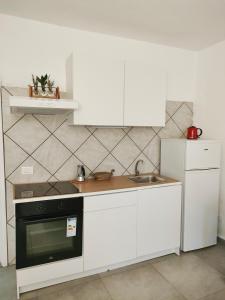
190	24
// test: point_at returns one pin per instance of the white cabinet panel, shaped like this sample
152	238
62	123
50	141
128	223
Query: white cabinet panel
107	201
99	89
159	217
50	271
109	236
200	209
145	95
202	154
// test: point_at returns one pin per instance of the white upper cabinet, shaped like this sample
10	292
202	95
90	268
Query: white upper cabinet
112	92
98	86
145	95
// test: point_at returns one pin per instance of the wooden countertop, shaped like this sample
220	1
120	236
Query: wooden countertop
115	183
92	187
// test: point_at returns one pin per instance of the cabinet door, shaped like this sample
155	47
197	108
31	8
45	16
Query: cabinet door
201	208
109	236
159	217
99	89
145	95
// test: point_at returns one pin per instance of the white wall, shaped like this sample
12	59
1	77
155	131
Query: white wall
28	47
210	107
3	237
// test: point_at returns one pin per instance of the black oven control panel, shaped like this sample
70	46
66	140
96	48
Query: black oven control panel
49	207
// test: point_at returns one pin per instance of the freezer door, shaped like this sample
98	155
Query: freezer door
200	209
202	155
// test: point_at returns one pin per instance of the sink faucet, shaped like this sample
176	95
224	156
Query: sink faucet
137	172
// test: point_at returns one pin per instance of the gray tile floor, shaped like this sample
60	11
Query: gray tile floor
199	275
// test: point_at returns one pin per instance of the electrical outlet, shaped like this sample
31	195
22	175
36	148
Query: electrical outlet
27	170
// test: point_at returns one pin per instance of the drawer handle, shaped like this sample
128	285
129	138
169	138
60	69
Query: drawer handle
206	149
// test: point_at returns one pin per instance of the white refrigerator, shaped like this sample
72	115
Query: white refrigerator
196	163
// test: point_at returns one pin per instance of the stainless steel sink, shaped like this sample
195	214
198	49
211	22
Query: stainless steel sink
147	179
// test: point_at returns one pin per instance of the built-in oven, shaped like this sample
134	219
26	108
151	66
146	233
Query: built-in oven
48	231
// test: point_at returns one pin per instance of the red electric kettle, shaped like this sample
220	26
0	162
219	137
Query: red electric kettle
192	133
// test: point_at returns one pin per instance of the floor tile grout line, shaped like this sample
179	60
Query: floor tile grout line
108	292
208	264
170	283
211	294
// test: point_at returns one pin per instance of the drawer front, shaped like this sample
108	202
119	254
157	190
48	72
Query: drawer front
49	271
107	201
202	155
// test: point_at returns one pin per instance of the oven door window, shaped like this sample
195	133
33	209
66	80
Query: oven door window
50	239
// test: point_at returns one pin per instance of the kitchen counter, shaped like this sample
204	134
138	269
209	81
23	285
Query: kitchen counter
93	187
116	183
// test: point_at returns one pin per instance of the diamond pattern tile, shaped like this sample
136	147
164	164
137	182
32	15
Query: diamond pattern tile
51	122
14	155
51	154
10	204
72	136
146	167
126	152
109	137
190	105
12	221
54	149
110	163
68	171
172	107
28	133
183	118
170	130
40	174
141	135
91	153
9	119
152	151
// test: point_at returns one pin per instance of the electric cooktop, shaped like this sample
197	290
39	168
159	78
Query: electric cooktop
44	189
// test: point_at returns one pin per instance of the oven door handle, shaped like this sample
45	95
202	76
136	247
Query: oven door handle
48	219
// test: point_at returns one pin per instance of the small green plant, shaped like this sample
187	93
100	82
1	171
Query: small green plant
50	84
43	81
35	83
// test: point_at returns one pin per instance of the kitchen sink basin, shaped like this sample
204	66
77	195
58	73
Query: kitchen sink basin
147	179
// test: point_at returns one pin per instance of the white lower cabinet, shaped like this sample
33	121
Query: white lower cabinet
158	219
110	231
124	226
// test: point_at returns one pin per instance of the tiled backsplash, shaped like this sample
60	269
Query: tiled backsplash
54	149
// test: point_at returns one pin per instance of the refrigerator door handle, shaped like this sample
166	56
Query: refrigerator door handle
208	169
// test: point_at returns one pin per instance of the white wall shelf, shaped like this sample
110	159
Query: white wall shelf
41	105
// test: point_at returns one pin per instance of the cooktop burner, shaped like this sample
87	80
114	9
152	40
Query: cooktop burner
44	189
